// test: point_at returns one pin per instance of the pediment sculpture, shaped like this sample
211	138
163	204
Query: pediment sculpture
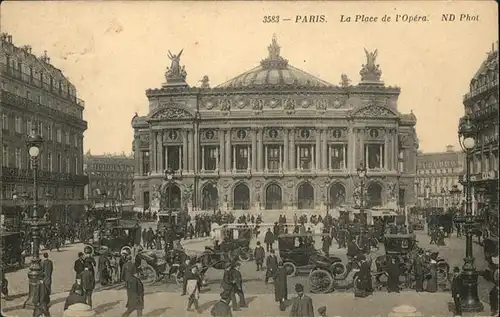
172	114
374	112
370	71
175	71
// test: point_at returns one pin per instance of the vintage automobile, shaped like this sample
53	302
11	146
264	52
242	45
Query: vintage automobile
297	251
237	246
326	276
490	249
12	250
114	237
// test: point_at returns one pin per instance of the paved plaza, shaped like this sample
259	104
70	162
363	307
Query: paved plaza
163	299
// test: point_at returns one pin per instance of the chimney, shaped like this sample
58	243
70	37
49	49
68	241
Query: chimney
449	148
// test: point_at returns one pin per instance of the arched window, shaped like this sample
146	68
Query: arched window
210	197
337	195
305	196
374	195
273	197
171	197
241	197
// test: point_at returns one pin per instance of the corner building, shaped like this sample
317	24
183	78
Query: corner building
274	139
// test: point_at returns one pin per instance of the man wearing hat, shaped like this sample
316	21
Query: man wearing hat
79	265
221	308
41	298
456	283
271	266
419	270
237	287
302	305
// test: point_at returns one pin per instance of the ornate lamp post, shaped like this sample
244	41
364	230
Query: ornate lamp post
469	298
34	142
362	174
455	196
23	198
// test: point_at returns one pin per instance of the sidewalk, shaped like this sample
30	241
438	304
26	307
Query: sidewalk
112	303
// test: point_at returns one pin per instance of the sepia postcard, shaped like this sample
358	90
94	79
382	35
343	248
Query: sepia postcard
249	158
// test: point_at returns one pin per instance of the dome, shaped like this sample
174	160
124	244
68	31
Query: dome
274	71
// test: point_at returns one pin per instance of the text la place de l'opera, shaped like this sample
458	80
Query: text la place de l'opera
274	140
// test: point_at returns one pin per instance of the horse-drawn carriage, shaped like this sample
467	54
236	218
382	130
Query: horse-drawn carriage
12	250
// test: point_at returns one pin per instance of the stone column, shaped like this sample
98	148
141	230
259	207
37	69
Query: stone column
324	149
159	152
260	150
185	150
233	159
265	157
137	156
254	150
292	150
191	151
286	147
318	150
249	157
228	150
152	151
221	152
386	150
351	147
196	150
203	158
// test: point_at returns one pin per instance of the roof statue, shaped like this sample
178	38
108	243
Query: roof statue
370	72
175	74
274	49
345	81
205	82
274	60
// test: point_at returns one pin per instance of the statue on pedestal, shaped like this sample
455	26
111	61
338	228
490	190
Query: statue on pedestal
175	71
370	71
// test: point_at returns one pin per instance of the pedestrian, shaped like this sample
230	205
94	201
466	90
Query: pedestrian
104	268
4	283
393	278
226	283
75	297
221	308
431	286
269	240
322	311
327	242
440	237
128	269
77	285
494	300
47	268
259	255
271	266
362	283
135	296
41	298
88	283
456	285
193	289
79	265
237	288
281	286
418	268
302	305
115	269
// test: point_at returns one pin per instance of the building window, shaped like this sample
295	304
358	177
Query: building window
49	162
40	128
18	125
210	157
59	163
49	132
59	135
173	157
338	157
19	160
5	155
145	163
66	137
29	127
68	170
241	157
28	95
305	156
273	160
374	156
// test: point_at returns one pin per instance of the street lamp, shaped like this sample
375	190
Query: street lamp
469	298
34	143
362	174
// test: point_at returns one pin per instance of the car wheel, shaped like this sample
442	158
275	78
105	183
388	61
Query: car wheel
338	268
321	281
244	256
147	274
291	269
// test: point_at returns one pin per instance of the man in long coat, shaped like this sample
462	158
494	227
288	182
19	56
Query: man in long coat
79	265
327	242
128	269
456	285
193	285
237	287
281	286
259	255
302	305
393	271
271	266
419	269
47	268
104	268
41	298
88	284
135	296
269	240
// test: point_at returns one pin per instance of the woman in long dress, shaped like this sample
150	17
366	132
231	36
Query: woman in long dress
281	286
432	280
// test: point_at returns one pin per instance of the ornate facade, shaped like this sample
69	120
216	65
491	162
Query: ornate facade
274	138
36	95
437	173
481	107
111	178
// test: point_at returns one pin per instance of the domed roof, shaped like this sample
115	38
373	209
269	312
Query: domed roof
274	70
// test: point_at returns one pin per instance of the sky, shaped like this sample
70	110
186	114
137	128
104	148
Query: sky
113	51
